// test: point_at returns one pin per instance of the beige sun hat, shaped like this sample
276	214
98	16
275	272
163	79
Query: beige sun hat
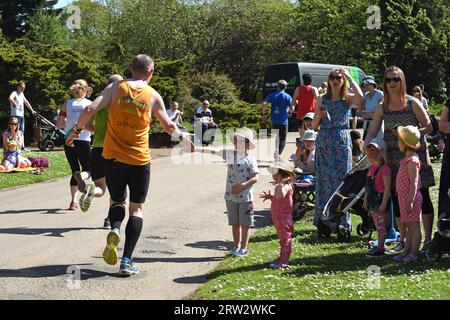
283	165
245	133
410	135
310	135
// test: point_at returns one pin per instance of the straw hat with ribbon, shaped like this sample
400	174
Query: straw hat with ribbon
282	165
410	136
245	133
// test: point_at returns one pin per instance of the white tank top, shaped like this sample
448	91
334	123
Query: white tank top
74	108
20	101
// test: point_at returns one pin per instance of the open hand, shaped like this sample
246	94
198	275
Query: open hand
266	196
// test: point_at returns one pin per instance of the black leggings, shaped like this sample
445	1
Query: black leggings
281	136
79	154
427	205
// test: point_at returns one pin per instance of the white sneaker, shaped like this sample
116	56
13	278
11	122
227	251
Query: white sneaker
241	253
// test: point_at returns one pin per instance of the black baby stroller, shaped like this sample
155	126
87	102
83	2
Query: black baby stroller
304	195
348	199
441	239
435	147
51	136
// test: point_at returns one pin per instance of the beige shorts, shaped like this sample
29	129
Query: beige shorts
240	213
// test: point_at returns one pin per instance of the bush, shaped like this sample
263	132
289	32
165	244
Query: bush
237	115
216	88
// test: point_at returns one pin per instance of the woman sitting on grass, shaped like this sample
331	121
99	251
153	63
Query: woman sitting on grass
13	142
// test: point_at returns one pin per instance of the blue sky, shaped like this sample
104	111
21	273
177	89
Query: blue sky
62	3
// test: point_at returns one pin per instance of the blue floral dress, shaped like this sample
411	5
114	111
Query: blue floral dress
333	157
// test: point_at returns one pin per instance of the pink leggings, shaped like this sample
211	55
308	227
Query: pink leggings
379	219
285	228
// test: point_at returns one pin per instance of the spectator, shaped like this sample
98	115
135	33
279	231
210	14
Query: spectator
204	121
12	143
175	114
399	109
17	102
417	93
425	95
333	144
444	127
305	97
281	109
370	102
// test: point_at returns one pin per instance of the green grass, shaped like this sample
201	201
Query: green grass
323	269
58	168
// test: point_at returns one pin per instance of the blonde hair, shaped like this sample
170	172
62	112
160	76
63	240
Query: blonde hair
14	120
343	93
403	92
80	88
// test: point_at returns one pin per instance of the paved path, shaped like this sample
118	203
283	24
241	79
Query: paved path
185	236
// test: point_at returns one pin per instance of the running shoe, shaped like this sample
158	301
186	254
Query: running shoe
107	224
110	253
127	268
233	251
73	206
86	198
241	253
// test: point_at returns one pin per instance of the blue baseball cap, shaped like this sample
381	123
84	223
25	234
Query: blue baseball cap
369	80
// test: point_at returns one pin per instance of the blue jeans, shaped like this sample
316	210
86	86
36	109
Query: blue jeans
21	123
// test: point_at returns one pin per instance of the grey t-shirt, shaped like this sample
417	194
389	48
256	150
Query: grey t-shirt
240	169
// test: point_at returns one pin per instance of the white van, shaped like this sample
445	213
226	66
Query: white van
292	73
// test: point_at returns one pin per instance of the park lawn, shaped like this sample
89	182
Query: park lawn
324	269
58	168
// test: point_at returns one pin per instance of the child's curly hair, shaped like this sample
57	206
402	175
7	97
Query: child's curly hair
81	88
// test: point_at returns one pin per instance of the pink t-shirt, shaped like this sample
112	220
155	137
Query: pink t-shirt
384	171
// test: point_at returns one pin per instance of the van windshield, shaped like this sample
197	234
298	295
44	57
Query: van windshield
288	72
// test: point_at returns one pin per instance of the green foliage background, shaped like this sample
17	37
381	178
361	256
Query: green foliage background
217	50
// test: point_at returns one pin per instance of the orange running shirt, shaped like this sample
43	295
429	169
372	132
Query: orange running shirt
128	126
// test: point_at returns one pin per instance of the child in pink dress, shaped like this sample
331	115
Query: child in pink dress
281	210
408	190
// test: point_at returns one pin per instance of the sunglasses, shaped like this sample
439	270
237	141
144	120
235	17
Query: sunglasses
14	124
339	78
395	79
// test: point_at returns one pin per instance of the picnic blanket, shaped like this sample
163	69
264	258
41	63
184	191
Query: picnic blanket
20	170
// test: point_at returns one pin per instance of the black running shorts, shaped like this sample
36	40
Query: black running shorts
120	175
97	165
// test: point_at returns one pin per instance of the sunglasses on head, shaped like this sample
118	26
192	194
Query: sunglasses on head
395	79
335	78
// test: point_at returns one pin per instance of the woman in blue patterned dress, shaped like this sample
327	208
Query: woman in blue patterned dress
333	144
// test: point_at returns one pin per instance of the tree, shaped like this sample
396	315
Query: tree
15	15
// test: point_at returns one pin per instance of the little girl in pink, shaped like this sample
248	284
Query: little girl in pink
281	210
408	190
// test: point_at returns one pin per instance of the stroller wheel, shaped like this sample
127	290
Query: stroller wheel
49	145
41	145
361	230
433	253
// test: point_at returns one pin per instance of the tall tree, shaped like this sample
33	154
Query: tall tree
15	15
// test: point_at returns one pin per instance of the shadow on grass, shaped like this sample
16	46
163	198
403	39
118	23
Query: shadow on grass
340	263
